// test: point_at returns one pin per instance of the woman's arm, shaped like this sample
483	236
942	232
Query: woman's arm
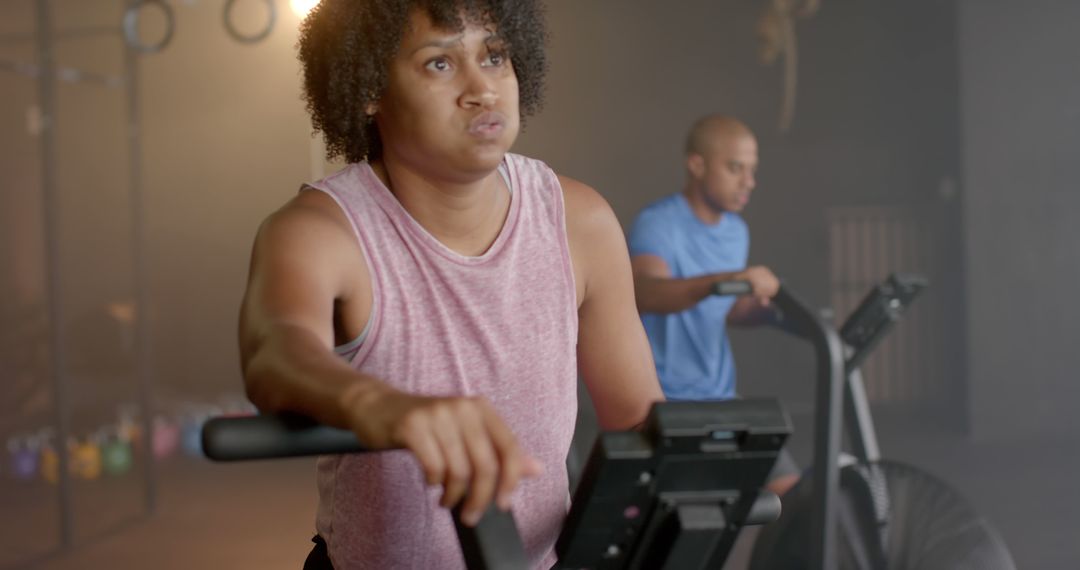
614	357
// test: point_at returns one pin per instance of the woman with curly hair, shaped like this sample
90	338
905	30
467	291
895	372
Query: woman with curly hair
439	294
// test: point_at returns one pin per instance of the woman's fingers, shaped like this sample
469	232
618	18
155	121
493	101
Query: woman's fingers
486	466
514	464
463	444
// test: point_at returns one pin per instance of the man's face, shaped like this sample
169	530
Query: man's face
451	102
725	173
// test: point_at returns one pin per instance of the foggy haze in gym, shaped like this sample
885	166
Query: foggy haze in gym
934	137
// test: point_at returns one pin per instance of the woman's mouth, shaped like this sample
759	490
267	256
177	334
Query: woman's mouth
487	125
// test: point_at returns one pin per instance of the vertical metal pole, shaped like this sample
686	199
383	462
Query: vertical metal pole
828	403
50	209
142	346
859	420
827	434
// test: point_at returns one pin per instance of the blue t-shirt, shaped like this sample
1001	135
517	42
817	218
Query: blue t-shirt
691	348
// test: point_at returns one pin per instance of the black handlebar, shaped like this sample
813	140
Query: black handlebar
493	543
271	437
724	288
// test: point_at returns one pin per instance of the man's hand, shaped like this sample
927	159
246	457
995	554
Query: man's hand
763	283
461	444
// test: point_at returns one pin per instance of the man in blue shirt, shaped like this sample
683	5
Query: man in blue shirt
680	247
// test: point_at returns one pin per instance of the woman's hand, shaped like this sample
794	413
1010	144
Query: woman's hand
460	442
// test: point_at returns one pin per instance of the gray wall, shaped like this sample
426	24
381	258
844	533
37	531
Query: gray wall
1021	134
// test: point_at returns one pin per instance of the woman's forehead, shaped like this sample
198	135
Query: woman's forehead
424	33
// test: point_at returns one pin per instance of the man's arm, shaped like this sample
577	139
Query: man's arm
751	311
613	353
659	292
303	263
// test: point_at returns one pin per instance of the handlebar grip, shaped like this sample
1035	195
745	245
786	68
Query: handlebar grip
766	509
724	288
273	436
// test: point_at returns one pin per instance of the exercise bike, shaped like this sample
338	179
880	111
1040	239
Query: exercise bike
858	510
673	495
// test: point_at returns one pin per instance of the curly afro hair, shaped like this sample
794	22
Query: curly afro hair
346	46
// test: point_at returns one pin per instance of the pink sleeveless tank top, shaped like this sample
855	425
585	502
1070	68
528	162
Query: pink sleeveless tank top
501	325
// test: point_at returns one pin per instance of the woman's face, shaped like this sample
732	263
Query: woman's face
451	102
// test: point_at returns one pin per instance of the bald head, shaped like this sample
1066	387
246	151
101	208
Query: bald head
721	162
708	131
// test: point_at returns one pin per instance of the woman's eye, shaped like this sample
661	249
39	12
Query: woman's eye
496	59
439	64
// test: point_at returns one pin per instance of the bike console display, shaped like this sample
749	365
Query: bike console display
675	494
877	313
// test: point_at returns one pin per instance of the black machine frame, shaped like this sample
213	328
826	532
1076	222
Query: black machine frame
862	332
841	401
673	495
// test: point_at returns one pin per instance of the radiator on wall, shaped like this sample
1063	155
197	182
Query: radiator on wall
866	244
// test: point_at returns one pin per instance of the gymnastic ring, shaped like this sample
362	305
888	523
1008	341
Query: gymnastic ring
131	26
249	39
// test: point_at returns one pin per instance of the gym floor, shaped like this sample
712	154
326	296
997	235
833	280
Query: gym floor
259	515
